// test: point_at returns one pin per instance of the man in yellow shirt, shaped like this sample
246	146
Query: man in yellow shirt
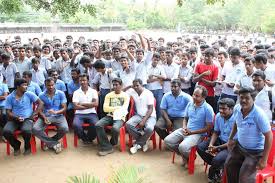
115	104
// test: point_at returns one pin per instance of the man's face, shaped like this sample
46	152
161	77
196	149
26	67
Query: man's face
54	75
22	53
64	55
208	58
94	50
74	75
174	47
116	86
162	55
46	50
29	53
15	52
193	55
37	53
225	111
137	87
258	83
83	81
184	60
246	101
131	49
50	86
197	96
7	48
139	55
249	66
155	61
169	57
27	78
123	62
259	65
175	88
23	87
234	59
85	49
221	58
116	53
160	42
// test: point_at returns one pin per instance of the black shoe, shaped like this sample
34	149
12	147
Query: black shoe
16	152
27	151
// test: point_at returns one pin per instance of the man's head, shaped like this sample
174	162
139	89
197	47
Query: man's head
226	106
139	54
37	51
235	55
116	52
35	63
27	75
175	87
169	56
84	80
124	61
64	54
50	84
199	94
21	85
249	66
15	51
208	55
138	86
99	66
54	74
117	85
155	59
260	61
258	80
5	58
247	97
75	74
22	52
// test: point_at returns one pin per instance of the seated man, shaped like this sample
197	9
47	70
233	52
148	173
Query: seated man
172	107
214	151
85	101
32	86
250	152
4	91
19	108
115	104
197	121
53	113
141	125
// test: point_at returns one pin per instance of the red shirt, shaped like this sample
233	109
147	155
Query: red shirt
201	68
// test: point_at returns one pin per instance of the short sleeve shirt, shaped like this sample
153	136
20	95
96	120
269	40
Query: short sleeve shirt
22	107
3	89
223	126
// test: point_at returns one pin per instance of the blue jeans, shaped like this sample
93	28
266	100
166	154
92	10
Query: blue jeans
79	119
158	96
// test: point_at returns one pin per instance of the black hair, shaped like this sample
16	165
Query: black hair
5	56
210	52
176	81
204	92
27	73
259	73
35	60
260	58
75	70
84	76
99	64
19	81
49	79
37	48
244	90
234	51
223	53
250	59
138	81
228	102
85	59
118	80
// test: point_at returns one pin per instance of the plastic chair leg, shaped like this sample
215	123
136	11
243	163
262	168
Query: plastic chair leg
173	157
153	138
8	148
191	161
122	139
33	144
65	145
75	140
160	143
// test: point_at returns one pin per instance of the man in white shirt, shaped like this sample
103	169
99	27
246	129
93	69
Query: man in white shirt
141	125
85	101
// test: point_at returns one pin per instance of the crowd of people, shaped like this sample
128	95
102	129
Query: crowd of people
218	96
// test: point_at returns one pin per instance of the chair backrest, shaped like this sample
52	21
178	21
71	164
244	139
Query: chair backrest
131	108
271	155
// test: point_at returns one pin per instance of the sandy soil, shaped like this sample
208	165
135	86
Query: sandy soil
47	167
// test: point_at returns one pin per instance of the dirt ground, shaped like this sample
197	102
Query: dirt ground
48	167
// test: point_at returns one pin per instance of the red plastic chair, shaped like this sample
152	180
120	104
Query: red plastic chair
32	142
160	140
53	127
84	125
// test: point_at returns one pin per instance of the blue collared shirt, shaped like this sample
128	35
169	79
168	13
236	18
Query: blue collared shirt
59	85
34	87
250	129
72	87
3	89
175	106
53	103
223	126
198	116
22	107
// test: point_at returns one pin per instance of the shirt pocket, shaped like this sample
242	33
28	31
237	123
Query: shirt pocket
56	102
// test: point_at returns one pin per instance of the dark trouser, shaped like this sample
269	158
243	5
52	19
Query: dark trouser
103	93
211	101
158	94
104	143
26	129
234	97
3	120
79	119
241	164
217	161
216	107
161	126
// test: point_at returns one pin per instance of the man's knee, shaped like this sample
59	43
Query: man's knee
184	148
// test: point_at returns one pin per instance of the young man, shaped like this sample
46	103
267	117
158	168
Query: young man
185	73
206	74
63	66
9	71
19	106
250	151
173	105
39	74
4	91
85	101
54	108
156	74
116	104
22	62
214	151
141	125
44	62
59	84
32	86
198	118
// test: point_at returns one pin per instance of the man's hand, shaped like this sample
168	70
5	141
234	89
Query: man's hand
206	73
261	164
230	144
20	119
169	124
269	83
142	123
51	111
186	132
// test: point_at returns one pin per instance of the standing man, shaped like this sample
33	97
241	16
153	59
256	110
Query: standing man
173	105
116	104
53	113
250	151
141	125
19	106
85	101
214	151
198	118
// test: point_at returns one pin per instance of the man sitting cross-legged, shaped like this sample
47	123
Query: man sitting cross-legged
53	113
141	125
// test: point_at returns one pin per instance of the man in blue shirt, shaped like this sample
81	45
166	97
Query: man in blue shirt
214	151
250	151
32	86
53	113
19	106
4	91
172	108
59	84
198	118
